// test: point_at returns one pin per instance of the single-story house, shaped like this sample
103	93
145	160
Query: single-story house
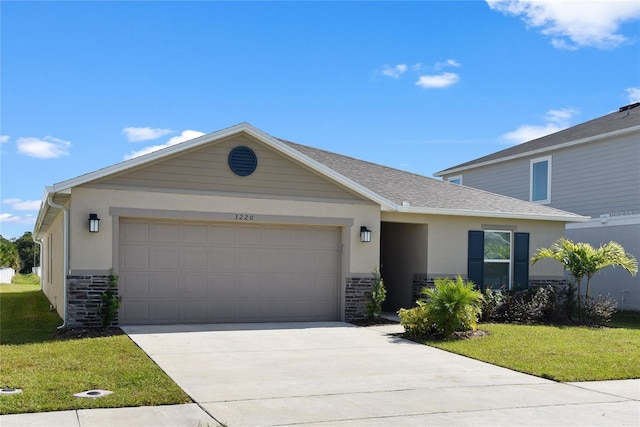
239	226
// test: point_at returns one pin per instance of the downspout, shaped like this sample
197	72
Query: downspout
65	255
39	243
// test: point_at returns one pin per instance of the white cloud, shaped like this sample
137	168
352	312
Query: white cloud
15	219
633	93
395	71
186	135
134	134
45	148
438	81
447	63
4	138
557	120
22	205
573	24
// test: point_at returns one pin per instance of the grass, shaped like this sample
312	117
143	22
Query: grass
50	371
561	353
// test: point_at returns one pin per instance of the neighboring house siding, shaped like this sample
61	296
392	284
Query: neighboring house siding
207	170
589	179
592	179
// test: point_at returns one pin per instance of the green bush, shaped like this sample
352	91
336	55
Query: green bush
377	296
536	305
448	307
110	301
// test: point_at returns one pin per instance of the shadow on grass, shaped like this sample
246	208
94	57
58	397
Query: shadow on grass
25	317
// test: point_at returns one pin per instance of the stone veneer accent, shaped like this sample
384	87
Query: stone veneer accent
85	299
355	298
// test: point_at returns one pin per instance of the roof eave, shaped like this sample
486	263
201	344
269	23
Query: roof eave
620	132
493	214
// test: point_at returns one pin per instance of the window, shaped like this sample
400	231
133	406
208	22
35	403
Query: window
498	259
540	190
456	179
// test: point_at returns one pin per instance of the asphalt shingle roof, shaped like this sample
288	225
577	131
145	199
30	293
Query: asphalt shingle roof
626	117
423	192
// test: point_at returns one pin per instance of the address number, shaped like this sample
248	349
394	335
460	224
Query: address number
244	217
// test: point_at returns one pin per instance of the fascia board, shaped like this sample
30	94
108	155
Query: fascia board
587	140
509	215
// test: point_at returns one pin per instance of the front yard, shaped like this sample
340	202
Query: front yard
50	371
561	353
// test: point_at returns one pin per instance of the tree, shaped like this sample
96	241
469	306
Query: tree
9	256
582	259
29	252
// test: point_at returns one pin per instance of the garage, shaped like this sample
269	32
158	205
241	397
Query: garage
203	272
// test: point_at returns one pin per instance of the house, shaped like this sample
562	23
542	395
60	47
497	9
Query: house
592	169
239	226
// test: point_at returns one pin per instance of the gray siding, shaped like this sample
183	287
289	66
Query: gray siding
207	170
587	179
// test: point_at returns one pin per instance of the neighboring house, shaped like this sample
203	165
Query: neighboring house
239	226
592	169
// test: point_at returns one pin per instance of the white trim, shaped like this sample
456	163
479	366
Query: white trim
611	221
532	162
594	138
490	214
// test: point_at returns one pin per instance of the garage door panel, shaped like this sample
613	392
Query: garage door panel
194	311
165	285
194	259
206	272
135	285
165	258
194	285
222	259
166	311
135	257
166	233
135	312
134	231
194	234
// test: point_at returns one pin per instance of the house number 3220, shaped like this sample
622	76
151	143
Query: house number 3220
244	217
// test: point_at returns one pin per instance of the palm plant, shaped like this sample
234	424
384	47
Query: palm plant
582	259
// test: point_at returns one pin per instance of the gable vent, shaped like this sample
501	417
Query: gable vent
243	161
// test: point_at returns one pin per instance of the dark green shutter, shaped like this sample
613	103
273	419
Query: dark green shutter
476	257
520	261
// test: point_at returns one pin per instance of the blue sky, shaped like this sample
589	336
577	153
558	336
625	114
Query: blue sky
418	85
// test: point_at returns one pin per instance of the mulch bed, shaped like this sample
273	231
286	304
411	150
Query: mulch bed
79	333
373	322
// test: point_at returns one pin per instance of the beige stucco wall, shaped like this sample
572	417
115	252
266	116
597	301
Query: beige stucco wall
448	240
53	264
95	251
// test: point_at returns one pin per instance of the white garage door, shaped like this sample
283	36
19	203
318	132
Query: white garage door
173	272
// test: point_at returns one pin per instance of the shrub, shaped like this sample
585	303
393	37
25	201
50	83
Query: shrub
377	296
534	305
599	309
453	305
492	302
110	302
416	321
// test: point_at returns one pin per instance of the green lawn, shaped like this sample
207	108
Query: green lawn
561	353
50	371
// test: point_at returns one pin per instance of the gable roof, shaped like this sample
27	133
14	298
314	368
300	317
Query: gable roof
624	121
394	190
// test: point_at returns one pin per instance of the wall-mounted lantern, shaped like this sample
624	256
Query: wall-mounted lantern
94	223
365	234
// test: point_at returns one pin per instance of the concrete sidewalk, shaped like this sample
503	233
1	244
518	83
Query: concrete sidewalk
336	374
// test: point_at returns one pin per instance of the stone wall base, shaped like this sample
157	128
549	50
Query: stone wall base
355	298
85	300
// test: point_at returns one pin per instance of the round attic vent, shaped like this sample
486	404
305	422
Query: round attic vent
243	161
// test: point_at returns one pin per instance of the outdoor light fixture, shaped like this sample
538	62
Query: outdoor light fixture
365	234
94	223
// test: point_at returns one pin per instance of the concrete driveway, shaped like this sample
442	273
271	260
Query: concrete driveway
333	373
